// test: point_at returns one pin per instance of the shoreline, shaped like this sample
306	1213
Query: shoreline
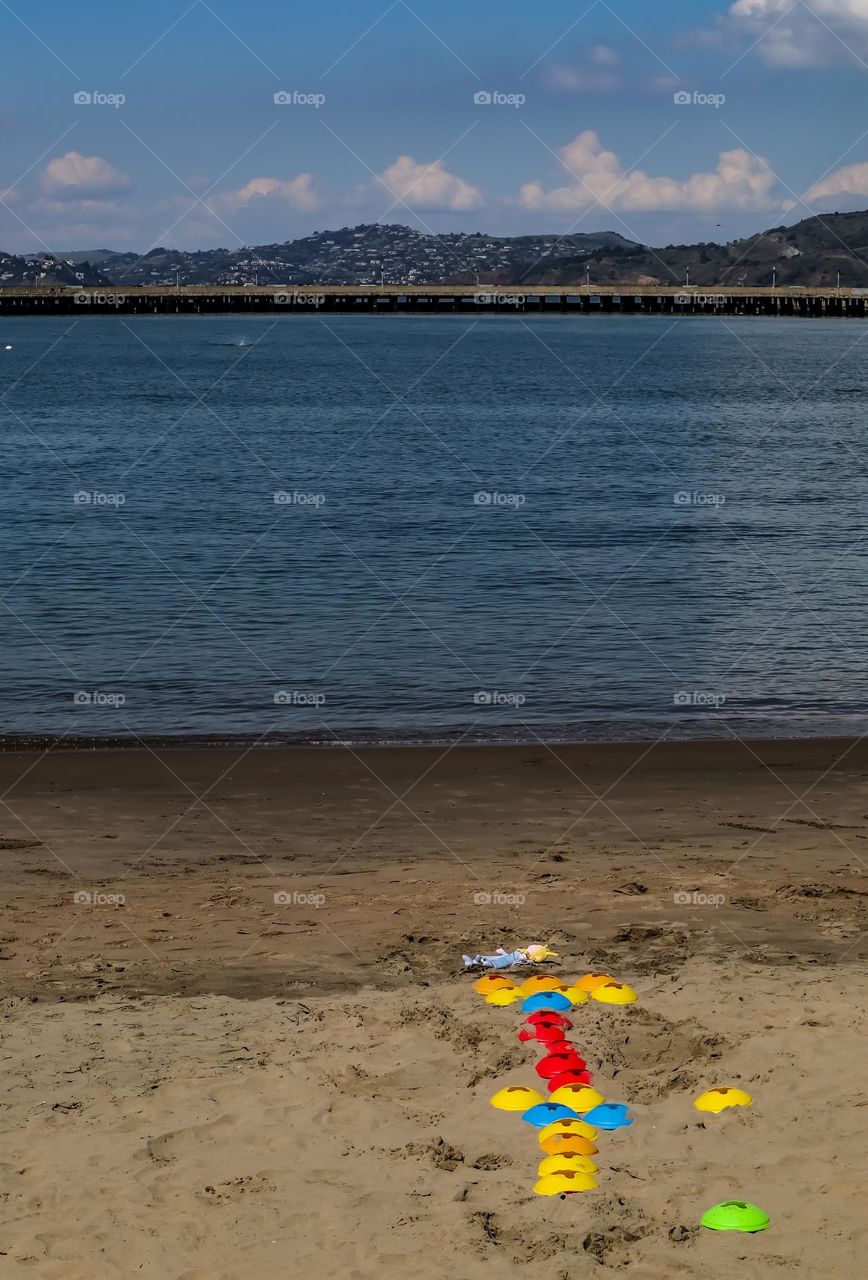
37	743
355	852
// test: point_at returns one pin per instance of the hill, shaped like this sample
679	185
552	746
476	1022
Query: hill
811	253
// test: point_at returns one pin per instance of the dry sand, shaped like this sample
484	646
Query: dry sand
204	1082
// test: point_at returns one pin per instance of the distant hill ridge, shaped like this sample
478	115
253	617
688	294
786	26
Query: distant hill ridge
811	253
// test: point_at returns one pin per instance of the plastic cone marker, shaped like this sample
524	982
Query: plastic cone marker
614	993
564	1184
492	982
735	1215
516	1097
543	1113
554	1064
592	980
503	996
542	982
544	1032
608	1115
566	1160
549	1015
577	995
717	1100
573	1126
581	1097
552	1000
557	1144
569	1077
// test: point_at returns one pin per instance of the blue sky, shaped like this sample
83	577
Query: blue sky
582	131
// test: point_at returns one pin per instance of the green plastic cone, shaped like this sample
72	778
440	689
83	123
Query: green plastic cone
735	1215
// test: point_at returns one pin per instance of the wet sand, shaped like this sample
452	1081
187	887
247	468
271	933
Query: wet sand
237	1034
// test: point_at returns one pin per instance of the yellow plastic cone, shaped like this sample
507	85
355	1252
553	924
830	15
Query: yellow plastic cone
564	1183
516	1097
614	993
717	1100
575	1127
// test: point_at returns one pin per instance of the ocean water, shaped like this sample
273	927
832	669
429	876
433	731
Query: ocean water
410	528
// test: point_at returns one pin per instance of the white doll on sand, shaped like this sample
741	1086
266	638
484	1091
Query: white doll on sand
534	953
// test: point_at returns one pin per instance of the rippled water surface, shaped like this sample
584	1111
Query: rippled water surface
553	526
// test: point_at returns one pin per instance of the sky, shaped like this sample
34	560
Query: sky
205	123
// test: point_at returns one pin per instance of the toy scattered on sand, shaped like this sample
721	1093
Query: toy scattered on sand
516	1097
568	1121
564	1183
717	1100
566	1160
548	1015
543	1113
553	1000
503	996
735	1215
560	1046
500	960
558	1144
581	1097
534	953
493	982
542	982
592	980
614	993
569	1077
576	995
573	1125
544	1032
554	1064
609	1115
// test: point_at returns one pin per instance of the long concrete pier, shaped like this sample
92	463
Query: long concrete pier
465	299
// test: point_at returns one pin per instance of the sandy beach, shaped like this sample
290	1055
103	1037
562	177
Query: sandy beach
237	1035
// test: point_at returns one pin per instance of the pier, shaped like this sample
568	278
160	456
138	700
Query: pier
289	299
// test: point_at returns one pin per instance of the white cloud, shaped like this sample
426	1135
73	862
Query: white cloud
76	177
604	56
69	208
425	186
851	181
792	34
740	181
565	79
299	193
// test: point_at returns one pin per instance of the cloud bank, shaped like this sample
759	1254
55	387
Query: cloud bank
790	33
740	181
